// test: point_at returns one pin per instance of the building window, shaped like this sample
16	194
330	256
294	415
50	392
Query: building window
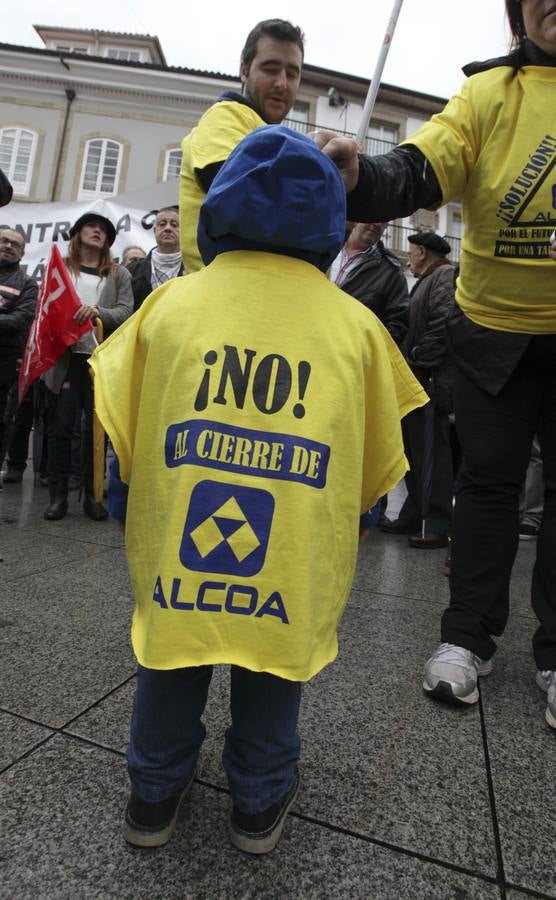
68	48
381	139
101	169
172	164
124	53
456	229
17	154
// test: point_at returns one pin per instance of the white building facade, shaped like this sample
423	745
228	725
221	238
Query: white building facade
94	114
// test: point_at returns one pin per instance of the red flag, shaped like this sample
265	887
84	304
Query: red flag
54	327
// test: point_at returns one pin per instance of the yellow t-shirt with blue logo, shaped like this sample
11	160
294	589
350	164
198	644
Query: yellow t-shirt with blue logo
494	145
255	411
218	132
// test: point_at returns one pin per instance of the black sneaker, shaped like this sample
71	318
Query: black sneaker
398	526
430	541
260	832
152	824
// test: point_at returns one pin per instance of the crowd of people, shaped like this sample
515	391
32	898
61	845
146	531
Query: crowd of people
266	362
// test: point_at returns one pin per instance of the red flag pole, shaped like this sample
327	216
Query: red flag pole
377	75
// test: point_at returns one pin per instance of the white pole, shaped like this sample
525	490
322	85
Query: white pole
375	83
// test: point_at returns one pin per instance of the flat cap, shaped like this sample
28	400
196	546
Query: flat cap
431	241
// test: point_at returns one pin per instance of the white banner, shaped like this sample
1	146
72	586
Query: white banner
42	224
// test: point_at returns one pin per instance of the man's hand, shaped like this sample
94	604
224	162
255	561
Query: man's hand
343	151
85	313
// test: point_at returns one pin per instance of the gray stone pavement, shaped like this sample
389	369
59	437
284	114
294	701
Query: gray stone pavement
401	797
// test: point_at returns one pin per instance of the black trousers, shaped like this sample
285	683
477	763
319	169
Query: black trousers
76	395
439	503
7	408
496	433
18	444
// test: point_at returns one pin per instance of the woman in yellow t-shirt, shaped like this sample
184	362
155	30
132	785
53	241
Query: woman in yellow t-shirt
494	145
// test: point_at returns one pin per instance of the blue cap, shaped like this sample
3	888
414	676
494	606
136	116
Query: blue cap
277	192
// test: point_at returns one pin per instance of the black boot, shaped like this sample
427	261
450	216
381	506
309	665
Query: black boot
58	499
92	508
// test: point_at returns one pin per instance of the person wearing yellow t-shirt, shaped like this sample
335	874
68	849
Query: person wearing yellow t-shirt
270	72
254	398
494	145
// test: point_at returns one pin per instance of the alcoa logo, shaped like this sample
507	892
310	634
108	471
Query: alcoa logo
227	529
226	524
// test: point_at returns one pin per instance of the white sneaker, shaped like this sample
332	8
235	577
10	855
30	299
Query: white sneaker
451	674
547	683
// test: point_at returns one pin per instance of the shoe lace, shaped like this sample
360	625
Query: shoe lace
451	653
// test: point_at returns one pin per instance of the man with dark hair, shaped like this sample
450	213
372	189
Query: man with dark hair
270	72
18	296
426	351
163	261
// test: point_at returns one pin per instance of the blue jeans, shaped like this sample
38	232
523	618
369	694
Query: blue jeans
261	747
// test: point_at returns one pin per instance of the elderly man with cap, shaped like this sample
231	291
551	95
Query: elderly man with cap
251	399
104	288
426	351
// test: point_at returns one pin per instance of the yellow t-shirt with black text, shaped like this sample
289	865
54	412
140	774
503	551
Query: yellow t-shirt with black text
218	132
494	145
255	411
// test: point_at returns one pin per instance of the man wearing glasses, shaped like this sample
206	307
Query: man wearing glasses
18	296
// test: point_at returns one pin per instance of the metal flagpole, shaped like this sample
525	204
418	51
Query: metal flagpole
375	83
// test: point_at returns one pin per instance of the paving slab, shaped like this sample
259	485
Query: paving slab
22	507
63	809
18	737
522	750
387	565
65	639
107	723
25	553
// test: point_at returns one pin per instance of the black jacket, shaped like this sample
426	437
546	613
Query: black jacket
6	190
140	271
18	297
380	284
426	344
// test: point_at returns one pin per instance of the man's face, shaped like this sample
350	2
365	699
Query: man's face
167	231
417	258
12	246
132	255
272	80
93	235
539	18
366	234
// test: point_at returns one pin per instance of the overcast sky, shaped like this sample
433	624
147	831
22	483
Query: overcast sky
434	38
